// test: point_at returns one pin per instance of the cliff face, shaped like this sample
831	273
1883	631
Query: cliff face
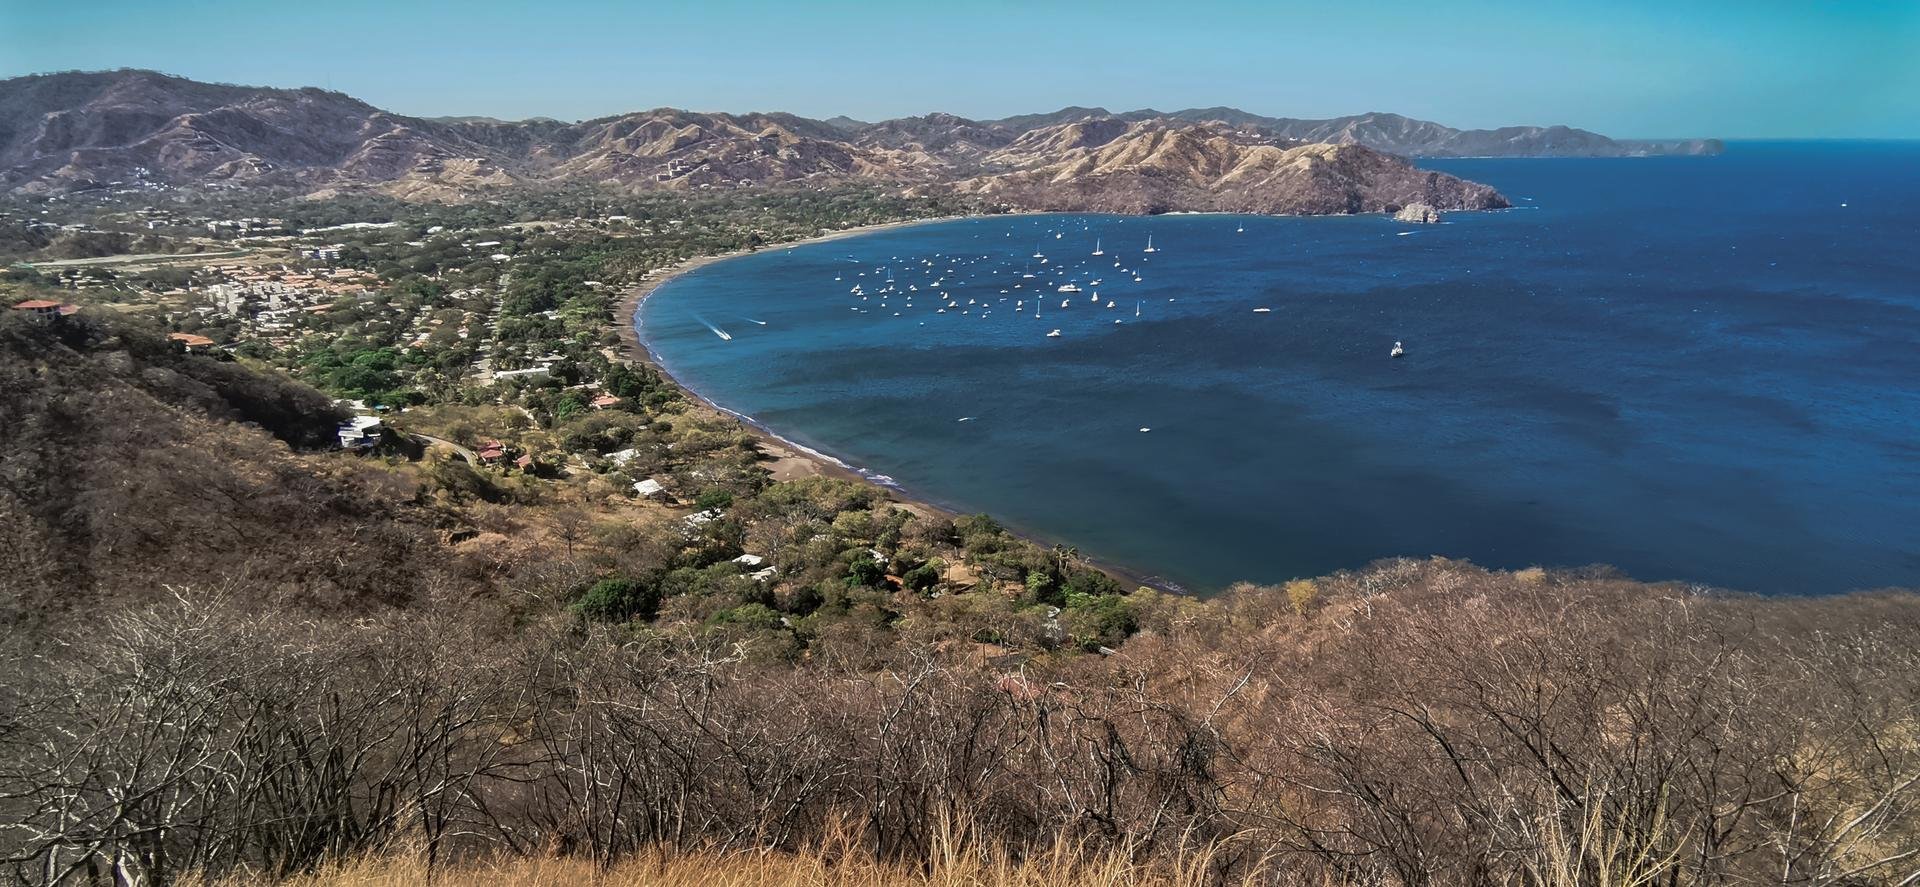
74	131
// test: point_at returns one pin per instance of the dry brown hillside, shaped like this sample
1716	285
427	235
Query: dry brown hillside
130	466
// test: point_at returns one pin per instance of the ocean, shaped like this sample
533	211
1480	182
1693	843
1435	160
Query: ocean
1702	369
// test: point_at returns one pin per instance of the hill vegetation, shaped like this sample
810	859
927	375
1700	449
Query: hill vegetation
230	656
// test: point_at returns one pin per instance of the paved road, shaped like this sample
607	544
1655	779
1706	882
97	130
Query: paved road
135	259
430	439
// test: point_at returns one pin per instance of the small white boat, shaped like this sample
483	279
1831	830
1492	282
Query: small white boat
1055	334
1096	249
1262	310
1109	303
1149	248
1063	303
1397	351
1069	288
1144	429
1242	229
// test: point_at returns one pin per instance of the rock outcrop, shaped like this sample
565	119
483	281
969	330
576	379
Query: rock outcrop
1418	213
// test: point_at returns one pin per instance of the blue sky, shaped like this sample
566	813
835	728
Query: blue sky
1628	68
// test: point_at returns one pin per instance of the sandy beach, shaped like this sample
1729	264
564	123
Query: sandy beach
790	461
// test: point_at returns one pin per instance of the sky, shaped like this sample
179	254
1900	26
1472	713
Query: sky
1626	68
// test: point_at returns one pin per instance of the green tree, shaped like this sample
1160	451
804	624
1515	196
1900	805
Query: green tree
619	599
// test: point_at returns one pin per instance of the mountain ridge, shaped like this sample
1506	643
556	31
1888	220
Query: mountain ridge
81	130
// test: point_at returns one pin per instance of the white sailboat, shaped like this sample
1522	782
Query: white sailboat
1055	334
1149	248
1096	248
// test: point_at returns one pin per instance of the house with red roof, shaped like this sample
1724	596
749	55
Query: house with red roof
491	452
191	341
39	309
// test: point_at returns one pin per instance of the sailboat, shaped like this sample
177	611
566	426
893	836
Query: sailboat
1136	309
1055	334
1242	229
1149	248
1096	249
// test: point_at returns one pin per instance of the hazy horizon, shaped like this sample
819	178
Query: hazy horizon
1634	70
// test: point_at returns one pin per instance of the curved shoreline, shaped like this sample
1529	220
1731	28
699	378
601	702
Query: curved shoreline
792	460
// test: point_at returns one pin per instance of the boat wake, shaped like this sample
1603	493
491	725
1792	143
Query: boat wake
723	334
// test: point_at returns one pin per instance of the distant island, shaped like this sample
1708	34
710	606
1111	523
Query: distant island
133	129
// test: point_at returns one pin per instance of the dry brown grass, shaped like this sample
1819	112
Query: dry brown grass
961	866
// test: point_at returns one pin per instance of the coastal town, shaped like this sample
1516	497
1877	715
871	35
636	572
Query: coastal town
495	358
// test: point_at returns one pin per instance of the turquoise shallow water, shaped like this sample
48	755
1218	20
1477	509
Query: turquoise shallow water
1695	368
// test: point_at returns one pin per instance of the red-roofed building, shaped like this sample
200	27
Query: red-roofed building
191	341
38	308
604	401
490	452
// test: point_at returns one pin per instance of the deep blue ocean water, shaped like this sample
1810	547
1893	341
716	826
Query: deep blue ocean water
1690	368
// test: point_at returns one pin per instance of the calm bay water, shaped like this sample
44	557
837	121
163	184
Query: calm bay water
1690	368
